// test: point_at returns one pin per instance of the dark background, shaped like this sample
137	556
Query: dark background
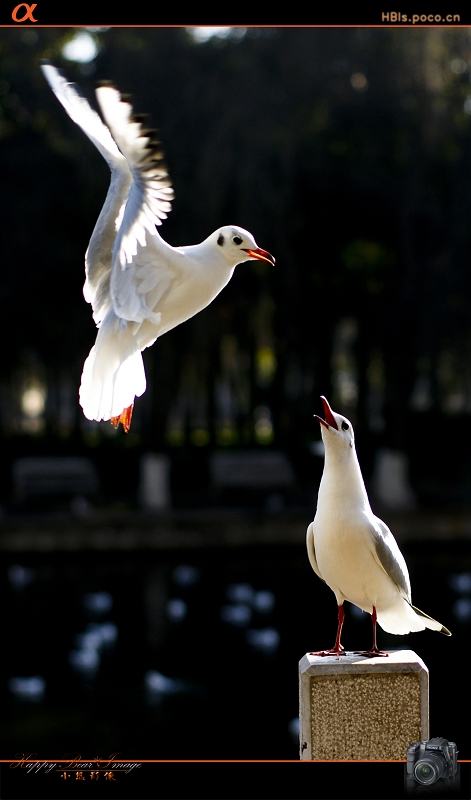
361	193
347	153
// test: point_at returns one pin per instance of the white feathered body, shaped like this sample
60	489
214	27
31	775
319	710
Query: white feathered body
354	551
113	373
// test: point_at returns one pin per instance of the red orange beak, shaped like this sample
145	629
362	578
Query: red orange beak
329	421
260	255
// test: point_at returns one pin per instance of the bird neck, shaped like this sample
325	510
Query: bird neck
342	482
208	256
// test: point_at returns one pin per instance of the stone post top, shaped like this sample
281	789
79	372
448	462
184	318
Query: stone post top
397	661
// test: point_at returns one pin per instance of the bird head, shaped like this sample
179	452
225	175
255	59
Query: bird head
337	431
238	245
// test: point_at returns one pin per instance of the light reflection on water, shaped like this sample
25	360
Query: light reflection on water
101	637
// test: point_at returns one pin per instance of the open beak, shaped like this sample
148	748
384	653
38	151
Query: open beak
260	255
329	421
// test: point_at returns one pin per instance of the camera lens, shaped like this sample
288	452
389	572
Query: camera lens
426	772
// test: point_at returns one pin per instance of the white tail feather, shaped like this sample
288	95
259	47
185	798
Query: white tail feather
113	374
401	618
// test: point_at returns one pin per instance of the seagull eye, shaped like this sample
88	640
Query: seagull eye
237	240
345	426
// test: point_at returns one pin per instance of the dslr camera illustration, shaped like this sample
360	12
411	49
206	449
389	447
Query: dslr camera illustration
432	764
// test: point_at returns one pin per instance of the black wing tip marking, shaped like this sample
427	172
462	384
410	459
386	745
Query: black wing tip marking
154	146
153	157
443	630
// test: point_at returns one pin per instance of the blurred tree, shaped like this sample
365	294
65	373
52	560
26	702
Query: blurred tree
346	152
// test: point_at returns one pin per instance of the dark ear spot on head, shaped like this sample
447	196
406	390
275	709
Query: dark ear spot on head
220	240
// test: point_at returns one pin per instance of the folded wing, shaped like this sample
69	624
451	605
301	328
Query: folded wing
311	551
390	558
401	617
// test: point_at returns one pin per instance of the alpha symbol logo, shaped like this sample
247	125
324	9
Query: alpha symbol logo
28	15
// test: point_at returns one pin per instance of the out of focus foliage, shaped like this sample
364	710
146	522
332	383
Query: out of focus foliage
346	152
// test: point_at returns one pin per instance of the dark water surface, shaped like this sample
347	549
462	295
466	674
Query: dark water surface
201	662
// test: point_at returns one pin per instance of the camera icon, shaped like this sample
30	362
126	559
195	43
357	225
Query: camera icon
430	762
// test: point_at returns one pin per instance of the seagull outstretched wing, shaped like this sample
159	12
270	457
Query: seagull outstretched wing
136	278
120	273
98	256
81	112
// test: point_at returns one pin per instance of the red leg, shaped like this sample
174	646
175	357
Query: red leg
373	652
337	649
125	417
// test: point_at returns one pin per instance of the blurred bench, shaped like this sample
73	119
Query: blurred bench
52	475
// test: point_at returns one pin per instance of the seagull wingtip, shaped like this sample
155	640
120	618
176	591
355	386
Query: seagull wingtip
46	66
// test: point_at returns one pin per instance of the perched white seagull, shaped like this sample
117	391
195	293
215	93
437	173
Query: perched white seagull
139	286
352	550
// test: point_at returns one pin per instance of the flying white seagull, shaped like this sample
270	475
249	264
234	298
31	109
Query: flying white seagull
139	286
352	550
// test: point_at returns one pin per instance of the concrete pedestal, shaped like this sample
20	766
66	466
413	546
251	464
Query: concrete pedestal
353	708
